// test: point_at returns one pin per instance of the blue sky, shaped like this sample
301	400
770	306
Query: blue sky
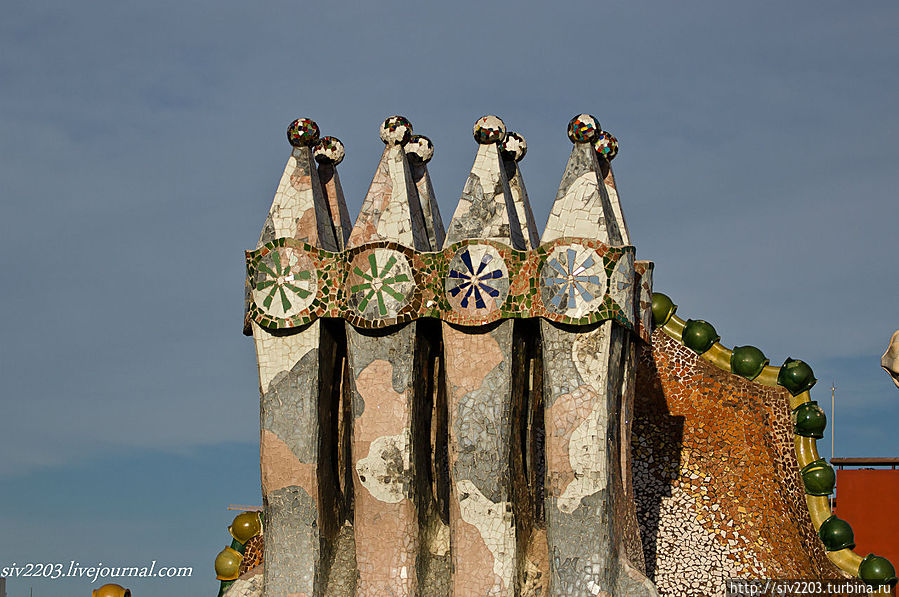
142	142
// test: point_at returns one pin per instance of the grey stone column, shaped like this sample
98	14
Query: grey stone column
481	368
588	373
388	371
295	373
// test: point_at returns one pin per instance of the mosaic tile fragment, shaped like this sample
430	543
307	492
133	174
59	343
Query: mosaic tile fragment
329	152
513	150
719	494
582	206
606	146
420	150
391	209
486	209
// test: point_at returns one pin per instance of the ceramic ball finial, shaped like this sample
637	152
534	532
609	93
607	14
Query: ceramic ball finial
419	149
583	128
396	130
303	132
514	147
329	150
489	129
606	145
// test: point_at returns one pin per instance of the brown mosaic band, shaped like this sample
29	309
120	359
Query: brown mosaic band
474	282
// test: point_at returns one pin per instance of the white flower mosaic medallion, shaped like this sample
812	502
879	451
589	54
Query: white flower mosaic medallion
573	280
285	283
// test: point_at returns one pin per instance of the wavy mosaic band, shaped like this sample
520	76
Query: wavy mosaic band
570	280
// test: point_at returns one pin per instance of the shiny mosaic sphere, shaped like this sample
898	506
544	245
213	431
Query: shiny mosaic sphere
809	420
514	147
329	150
246	525
606	145
489	129
419	149
396	130
818	477
699	336
747	361
877	571
836	534
583	128
796	376
111	590
303	132
227	564
662	308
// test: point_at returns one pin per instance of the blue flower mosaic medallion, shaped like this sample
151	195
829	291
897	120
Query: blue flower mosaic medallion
478	280
380	283
285	283
573	280
621	285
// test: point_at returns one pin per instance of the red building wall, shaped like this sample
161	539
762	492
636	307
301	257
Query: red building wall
868	499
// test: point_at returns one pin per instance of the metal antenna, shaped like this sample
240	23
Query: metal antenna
833	415
833	429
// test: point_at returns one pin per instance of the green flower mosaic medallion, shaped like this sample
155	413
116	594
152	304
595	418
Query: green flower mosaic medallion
285	282
380	283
